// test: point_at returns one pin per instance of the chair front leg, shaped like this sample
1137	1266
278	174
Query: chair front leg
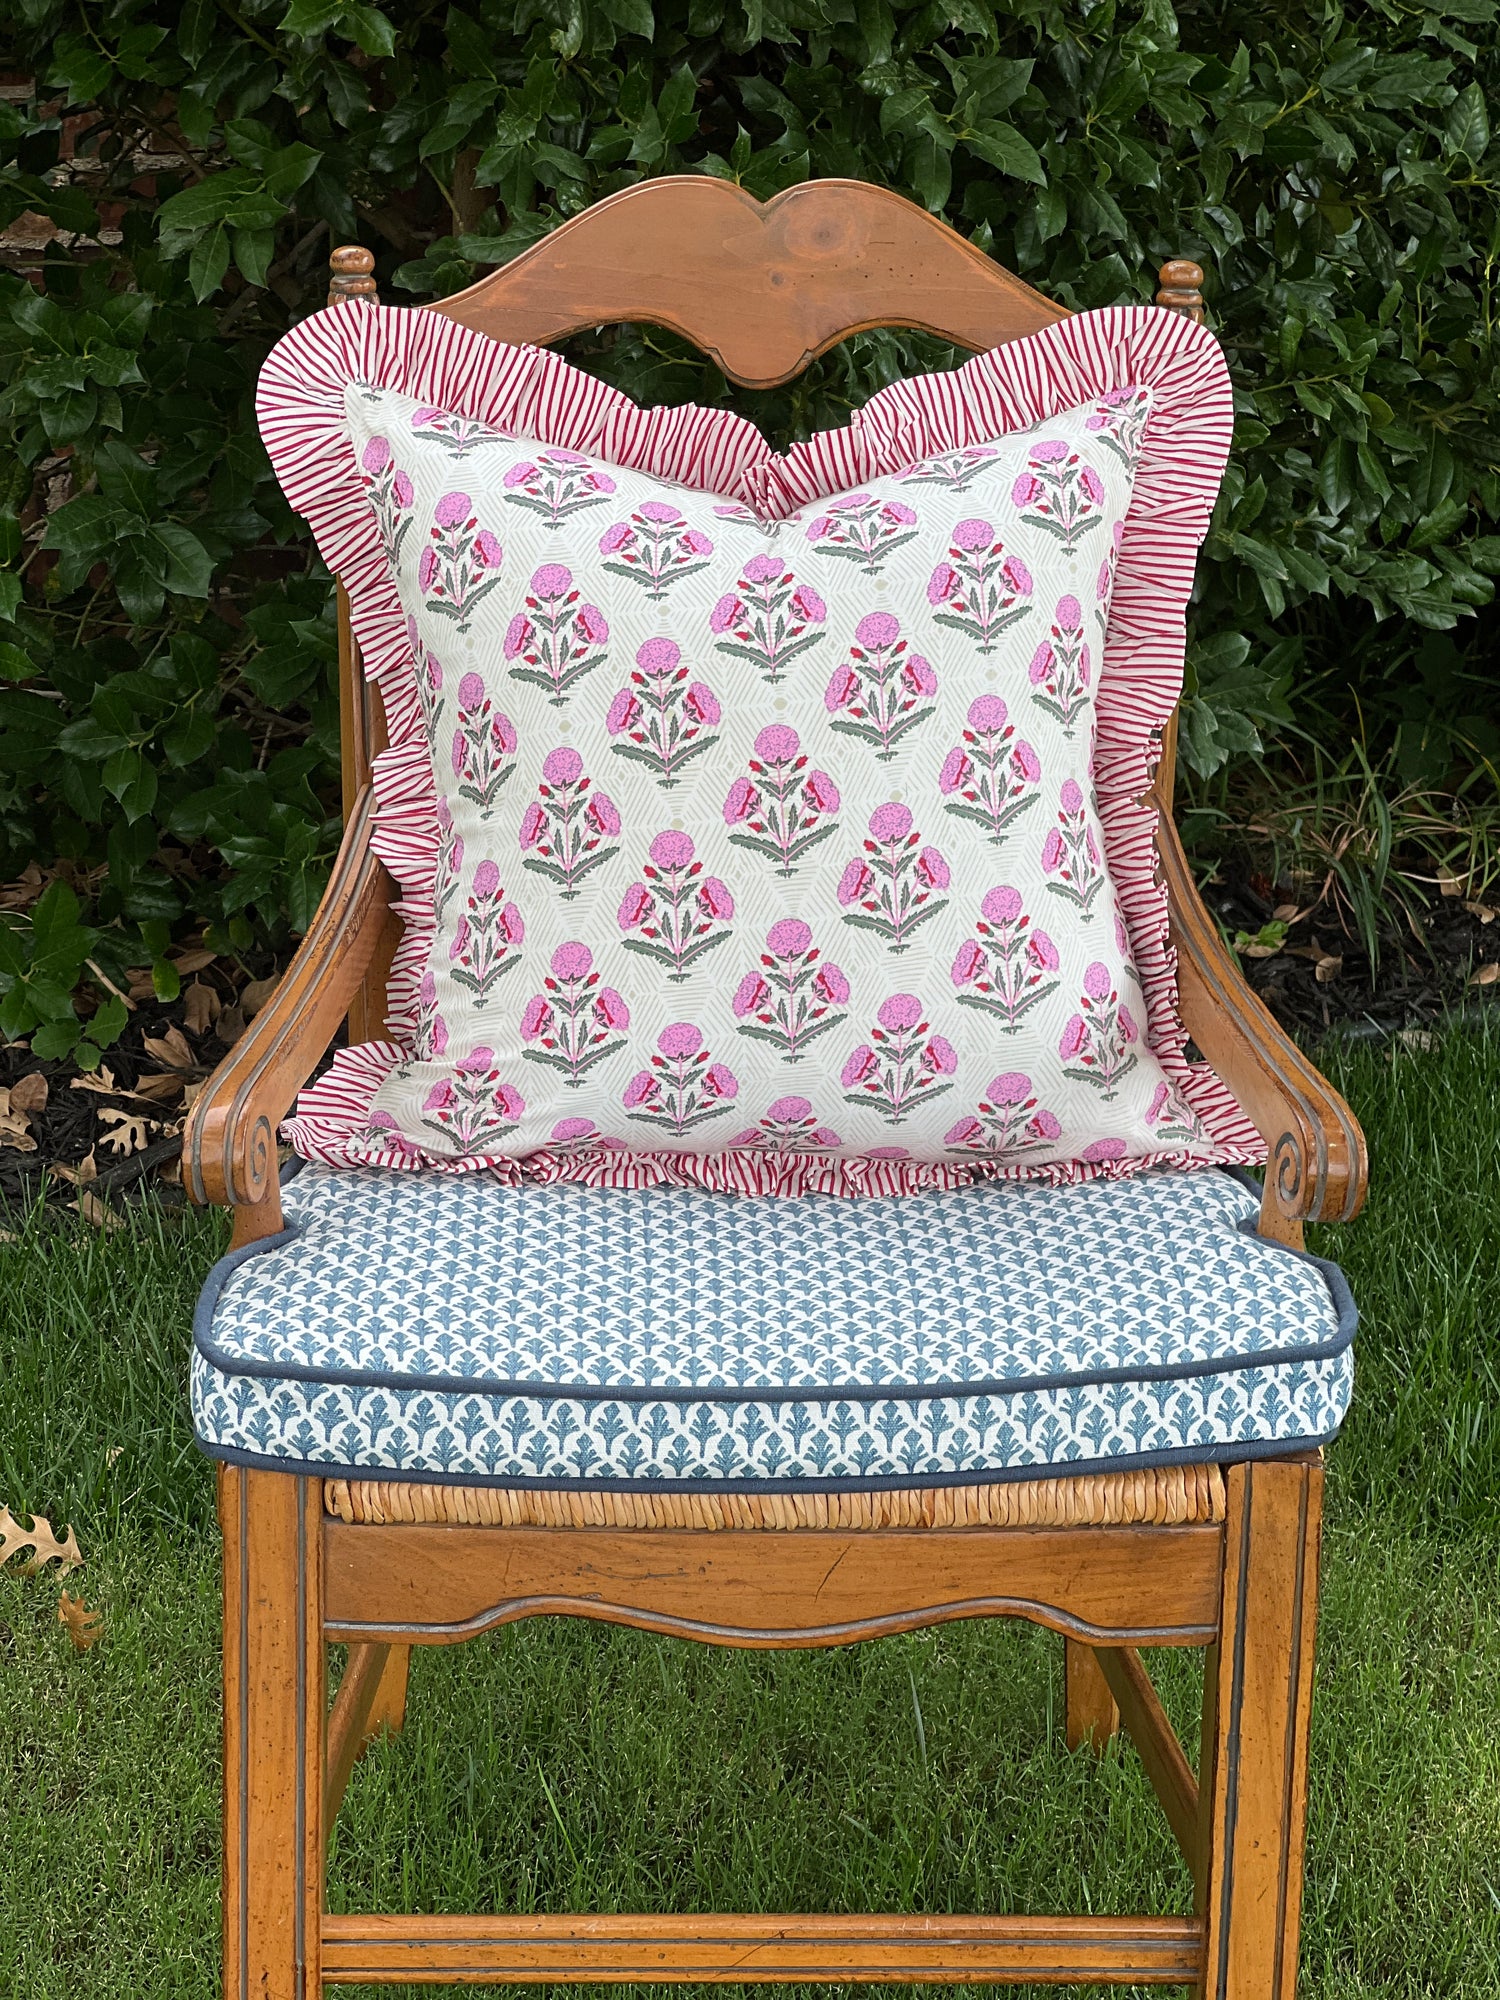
273	1734
1258	1704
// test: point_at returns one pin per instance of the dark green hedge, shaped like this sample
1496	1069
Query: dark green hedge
167	723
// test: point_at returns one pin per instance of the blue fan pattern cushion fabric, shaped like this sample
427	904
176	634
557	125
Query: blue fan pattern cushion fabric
454	1328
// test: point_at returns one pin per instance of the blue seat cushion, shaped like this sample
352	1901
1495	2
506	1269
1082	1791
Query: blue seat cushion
449	1327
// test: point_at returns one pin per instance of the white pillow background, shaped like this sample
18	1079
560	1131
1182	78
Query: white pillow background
777	837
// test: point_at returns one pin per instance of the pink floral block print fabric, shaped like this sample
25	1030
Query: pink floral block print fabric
770	823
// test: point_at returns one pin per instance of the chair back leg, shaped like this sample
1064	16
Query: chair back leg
1093	1717
273	1734
1258	1703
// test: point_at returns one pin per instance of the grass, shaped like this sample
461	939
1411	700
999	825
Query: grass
558	1765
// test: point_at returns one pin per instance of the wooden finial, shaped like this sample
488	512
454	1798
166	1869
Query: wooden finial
1180	280
351	265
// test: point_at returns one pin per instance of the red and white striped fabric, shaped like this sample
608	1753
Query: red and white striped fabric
532	394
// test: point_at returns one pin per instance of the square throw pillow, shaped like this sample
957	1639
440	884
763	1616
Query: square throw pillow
775	824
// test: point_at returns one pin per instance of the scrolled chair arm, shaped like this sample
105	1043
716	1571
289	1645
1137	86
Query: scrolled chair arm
229	1143
1317	1168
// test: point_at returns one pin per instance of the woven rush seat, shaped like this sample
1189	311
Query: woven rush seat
455	1329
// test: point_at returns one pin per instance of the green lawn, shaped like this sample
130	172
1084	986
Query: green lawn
557	1766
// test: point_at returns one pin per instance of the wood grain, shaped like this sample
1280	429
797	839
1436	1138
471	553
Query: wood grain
435	1585
349	1724
762	289
1140	1709
1092	1717
856	1949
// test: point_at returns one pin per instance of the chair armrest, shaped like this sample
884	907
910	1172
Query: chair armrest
1317	1168
229	1143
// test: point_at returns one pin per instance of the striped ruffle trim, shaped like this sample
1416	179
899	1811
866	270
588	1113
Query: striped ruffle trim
531	393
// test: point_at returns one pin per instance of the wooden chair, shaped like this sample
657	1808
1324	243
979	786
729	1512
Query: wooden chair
1222	1560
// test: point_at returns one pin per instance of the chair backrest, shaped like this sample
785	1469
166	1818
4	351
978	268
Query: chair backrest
762	288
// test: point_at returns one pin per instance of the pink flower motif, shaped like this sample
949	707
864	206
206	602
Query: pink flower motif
591	624
1053	852
460	752
615	537
1070	798
902	1010
1103	585
439	1041
470	691
789	1110
831	985
601	483
918	675
518	474
897	512
763	569
704	703
1074	1038
719	1081
933	869
1069	615
427	569
750	995
513	923
967	1132
1002	905
817	529
1096	981
658	511
878	628
679	1041
1159	1098
552	580
807	606
853	883
488	549
1127	1024
572	960
635	906
486	879
1092	484
1026	761
1049	452
942	584
641	1086
672	849
1100	1150
567	1129
1025	490
1017	575
891	821
968	965
518	635
536	1018
452	510
860	1065
376	455
777	744
788	938
402	491
1012	1086
697	543
1041	663
726	613
658	657
942	1055
624	713
562	766
842	687
533	825
821	793
972	536
1042	952
956	772
603	813
610	1009
741	802
716	899
987	713
439	1097
1044	1126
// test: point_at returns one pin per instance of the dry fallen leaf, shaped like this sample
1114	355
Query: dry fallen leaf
86	1170
23	892
1327	968
193	960
113	1453
257	993
102	1080
1417	1038
1483	911
39	1538
230	1025
172	1048
125	1131
30	1094
170	1171
163	1088
1449	884
1485	975
85	1627
15	1126
94	1209
1286	913
141	985
201	1007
